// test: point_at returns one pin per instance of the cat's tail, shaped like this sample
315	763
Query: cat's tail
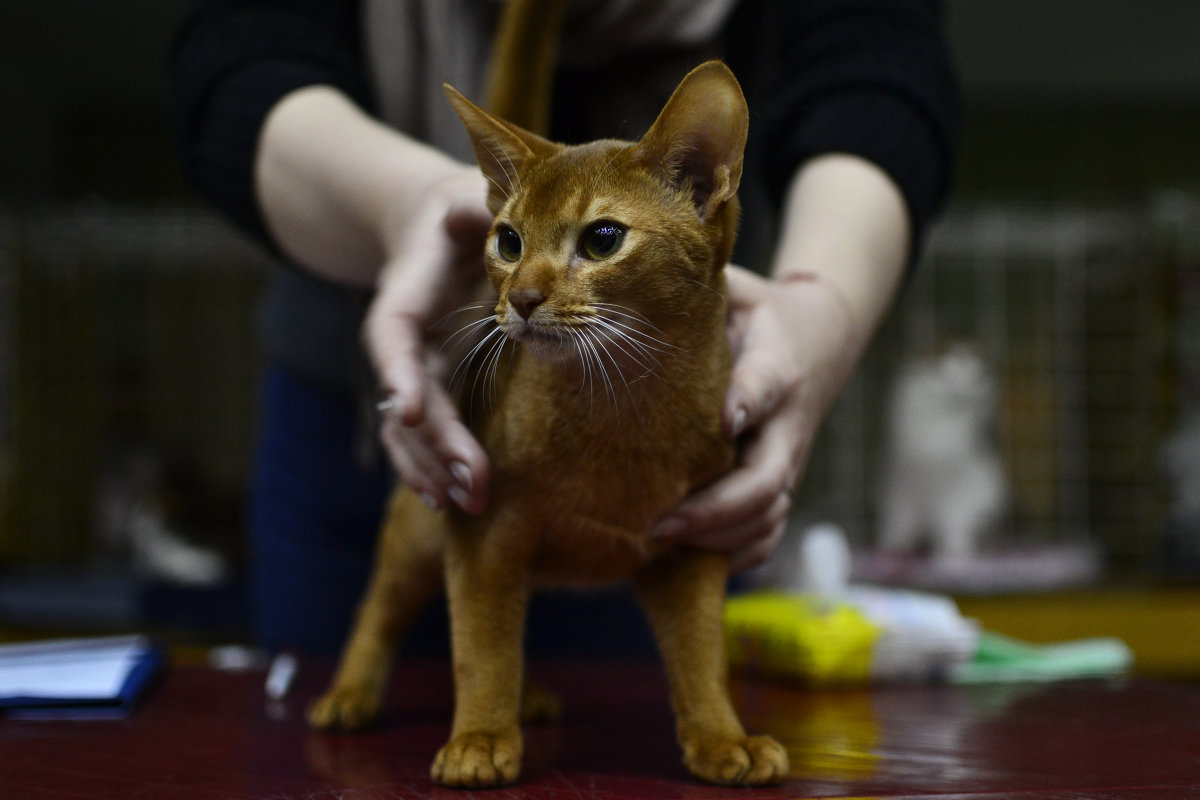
524	54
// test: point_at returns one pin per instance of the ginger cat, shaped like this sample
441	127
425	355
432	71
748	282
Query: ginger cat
608	262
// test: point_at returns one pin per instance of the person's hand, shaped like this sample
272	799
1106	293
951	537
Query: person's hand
794	347
435	267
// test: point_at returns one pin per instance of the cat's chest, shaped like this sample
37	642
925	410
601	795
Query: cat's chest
589	477
620	466
592	510
617	492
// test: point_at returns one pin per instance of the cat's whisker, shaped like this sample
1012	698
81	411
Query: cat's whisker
589	363
617	310
584	337
609	385
642	356
625	311
604	171
597	366
651	343
464	365
503	191
706	287
495	355
463	368
619	364
487	371
477	305
507	166
585	363
475	329
611	313
585	380
626	342
629	347
466	332
596	334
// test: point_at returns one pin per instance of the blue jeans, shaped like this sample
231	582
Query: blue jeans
314	515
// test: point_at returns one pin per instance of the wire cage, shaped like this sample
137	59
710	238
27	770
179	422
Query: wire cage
140	326
1077	313
120	331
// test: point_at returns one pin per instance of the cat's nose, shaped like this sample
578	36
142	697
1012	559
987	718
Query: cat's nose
526	299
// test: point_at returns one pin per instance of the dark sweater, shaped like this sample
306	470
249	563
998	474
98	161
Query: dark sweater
867	77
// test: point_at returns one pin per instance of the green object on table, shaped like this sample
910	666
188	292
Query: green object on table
1000	659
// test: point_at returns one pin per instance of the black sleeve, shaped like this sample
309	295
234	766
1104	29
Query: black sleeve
231	62
872	78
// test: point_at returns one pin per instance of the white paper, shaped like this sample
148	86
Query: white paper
83	669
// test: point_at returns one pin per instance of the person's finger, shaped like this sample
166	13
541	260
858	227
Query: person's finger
468	222
460	453
759	549
743	288
748	491
754	391
396	350
742	537
440	458
416	463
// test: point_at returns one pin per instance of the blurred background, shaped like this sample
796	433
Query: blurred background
1054	321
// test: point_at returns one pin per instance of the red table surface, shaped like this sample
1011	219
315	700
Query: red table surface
205	734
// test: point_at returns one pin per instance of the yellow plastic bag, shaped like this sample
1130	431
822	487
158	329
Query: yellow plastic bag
799	637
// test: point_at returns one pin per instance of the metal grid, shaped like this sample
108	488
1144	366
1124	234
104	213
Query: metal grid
121	328
1074	311
1088	317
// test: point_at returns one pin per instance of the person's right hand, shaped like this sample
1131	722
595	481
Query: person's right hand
435	267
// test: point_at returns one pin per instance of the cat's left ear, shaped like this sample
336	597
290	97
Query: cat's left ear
501	148
700	136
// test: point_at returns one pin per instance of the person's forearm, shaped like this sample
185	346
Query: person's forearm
335	186
845	224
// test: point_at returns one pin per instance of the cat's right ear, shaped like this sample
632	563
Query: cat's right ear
502	149
699	137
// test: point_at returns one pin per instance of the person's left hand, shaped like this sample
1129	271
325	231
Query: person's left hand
435	268
794	347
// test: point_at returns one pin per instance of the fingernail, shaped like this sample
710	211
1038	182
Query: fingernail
462	474
739	421
428	500
459	496
670	526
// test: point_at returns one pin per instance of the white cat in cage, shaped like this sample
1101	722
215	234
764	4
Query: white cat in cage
942	481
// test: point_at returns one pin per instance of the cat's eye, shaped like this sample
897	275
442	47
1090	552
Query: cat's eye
602	239
508	244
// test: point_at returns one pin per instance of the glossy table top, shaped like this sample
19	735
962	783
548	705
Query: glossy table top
204	734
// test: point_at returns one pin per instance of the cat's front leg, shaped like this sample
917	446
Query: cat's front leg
407	573
684	595
487	584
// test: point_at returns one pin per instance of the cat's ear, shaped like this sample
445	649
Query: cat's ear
501	148
700	135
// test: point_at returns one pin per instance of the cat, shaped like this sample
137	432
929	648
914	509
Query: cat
607	260
138	515
943	482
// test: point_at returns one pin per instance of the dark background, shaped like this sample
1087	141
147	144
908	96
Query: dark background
1068	253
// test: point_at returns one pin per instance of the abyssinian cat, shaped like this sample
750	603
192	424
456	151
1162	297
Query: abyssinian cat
607	261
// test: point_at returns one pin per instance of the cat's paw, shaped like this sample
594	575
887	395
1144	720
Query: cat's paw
478	760
344	708
746	761
539	704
